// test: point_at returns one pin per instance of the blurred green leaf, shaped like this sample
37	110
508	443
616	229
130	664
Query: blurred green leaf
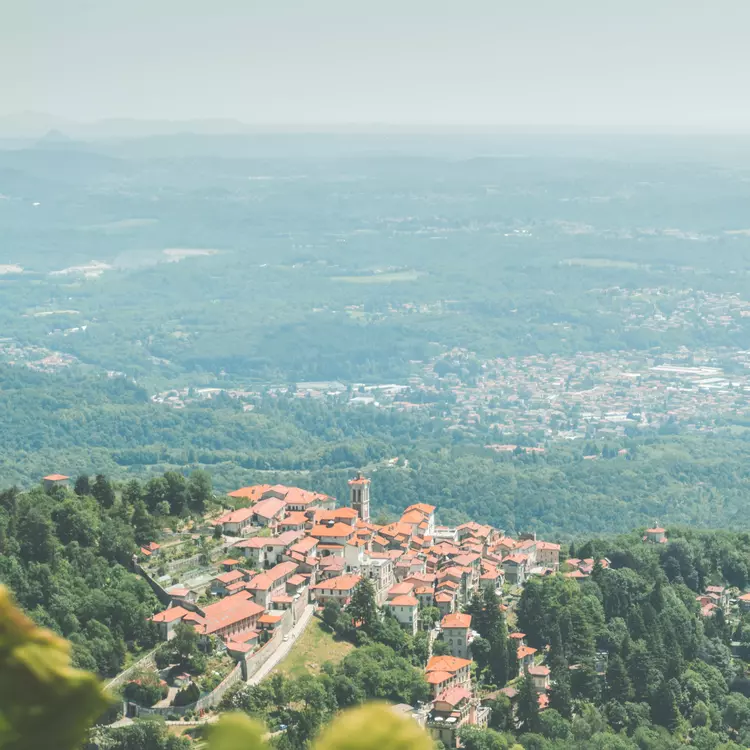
375	726
44	702
237	732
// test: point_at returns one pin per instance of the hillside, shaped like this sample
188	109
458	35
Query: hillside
634	641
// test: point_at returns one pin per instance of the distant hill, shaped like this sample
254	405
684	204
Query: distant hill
38	125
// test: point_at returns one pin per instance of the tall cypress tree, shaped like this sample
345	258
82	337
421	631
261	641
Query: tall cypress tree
528	705
618	682
560	697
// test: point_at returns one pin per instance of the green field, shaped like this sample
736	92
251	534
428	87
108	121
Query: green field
381	278
316	646
604	263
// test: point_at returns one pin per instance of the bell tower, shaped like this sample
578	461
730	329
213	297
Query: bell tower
359	489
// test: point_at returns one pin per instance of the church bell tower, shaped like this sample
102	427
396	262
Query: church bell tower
359	489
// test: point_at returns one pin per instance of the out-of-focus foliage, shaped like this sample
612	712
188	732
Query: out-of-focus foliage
374	726
44	702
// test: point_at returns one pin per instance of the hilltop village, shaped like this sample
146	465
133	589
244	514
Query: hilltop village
292	551
274	595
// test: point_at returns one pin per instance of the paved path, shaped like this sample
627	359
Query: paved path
283	650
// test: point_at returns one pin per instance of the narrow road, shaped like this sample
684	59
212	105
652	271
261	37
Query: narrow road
283	650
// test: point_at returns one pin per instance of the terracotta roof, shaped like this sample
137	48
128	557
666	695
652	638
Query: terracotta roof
453	696
285	539
401	588
229	611
170	615
256	542
446	664
297	580
524	651
230	577
337	513
239	648
423	507
261	582
304	545
269	508
657	530
229	561
236	516
412	516
269	619
456	620
404	601
339	583
281	570
56	478
294	518
437	677
336	530
548	546
253	493
233	588
538	671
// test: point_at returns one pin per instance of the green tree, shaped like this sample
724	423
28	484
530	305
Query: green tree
527	705
362	607
199	490
561	698
428	616
82	485
103	491
187	695
132	492
331	613
617	680
552	725
144	526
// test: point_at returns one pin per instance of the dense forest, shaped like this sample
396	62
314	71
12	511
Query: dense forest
66	556
107	425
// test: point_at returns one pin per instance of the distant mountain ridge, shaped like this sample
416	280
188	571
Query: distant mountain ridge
38	124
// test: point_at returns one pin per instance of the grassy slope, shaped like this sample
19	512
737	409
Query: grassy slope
315	647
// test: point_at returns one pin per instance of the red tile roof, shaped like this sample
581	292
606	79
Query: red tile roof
539	671
456	620
339	583
336	530
404	601
236	516
269	508
446	664
170	615
227	612
453	696
438	677
230	577
253	493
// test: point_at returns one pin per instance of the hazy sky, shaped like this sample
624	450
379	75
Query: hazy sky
595	63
